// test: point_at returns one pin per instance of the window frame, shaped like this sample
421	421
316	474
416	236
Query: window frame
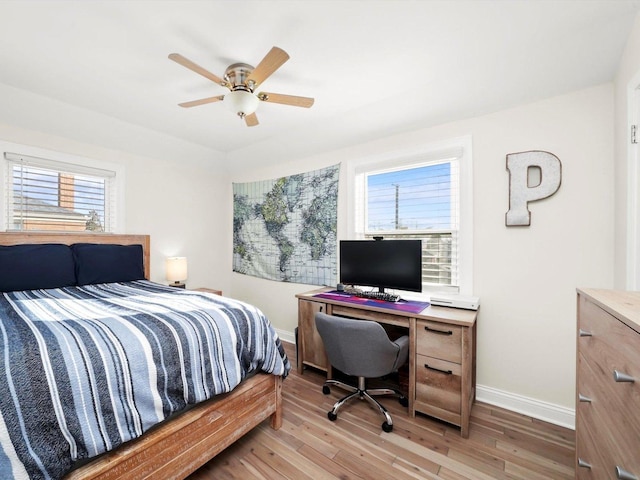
459	148
80	165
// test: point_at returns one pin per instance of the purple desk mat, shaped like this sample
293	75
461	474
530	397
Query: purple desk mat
402	306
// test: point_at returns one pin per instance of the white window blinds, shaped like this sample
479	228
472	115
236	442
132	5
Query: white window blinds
45	194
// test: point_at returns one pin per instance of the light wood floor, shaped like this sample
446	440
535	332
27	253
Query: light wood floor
501	444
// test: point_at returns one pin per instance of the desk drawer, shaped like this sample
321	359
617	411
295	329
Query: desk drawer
439	385
439	340
379	317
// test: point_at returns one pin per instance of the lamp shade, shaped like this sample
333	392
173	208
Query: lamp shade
241	102
176	269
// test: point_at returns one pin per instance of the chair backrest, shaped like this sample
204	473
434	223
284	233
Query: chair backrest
359	348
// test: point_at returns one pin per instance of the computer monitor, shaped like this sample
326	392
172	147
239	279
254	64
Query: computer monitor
395	264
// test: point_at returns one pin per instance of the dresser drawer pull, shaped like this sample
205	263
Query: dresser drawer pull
448	372
622	474
583	464
582	398
584	333
441	332
622	377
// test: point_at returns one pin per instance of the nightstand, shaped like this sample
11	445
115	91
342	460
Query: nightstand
210	290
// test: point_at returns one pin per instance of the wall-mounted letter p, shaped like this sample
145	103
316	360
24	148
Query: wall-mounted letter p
520	192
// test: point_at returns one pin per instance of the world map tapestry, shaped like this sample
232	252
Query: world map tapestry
285	229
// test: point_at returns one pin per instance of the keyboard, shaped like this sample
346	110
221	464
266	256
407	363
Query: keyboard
386	297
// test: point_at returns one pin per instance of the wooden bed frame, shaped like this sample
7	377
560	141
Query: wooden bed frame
178	446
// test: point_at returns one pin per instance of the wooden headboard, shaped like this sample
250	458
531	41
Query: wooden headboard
19	238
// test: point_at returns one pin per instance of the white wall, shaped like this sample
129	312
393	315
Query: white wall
183	208
526	276
177	193
627	80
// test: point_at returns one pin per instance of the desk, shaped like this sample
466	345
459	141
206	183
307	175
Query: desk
442	352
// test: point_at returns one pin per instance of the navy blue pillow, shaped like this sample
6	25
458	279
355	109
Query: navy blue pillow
107	263
35	266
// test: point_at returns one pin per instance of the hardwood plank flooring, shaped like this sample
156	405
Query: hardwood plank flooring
501	444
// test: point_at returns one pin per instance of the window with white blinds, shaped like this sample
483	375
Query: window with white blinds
420	197
44	194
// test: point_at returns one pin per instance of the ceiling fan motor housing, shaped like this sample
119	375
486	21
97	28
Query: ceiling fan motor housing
236	76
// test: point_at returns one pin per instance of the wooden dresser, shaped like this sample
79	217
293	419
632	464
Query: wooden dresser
608	385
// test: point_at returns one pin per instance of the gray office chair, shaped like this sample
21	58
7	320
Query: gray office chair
362	349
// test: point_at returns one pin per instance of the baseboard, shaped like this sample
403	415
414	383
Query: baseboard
545	411
286	336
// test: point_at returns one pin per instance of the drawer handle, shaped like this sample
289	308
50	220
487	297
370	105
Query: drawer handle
622	474
448	372
582	398
584	333
622	377
441	332
583	464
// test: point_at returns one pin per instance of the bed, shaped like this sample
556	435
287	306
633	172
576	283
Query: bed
173	418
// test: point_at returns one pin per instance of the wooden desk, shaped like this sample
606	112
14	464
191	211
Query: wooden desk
442	352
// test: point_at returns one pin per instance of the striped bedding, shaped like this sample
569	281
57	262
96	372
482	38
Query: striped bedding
84	369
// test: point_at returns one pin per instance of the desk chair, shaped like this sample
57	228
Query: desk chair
361	348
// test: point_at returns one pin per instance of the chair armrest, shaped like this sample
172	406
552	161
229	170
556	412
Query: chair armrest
403	342
403	351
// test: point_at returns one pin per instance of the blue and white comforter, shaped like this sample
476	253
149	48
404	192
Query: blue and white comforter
84	369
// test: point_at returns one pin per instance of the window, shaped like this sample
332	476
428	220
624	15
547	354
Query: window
44	194
424	195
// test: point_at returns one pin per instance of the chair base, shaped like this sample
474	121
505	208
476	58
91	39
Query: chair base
364	394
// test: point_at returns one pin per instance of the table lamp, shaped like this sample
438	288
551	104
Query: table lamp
177	271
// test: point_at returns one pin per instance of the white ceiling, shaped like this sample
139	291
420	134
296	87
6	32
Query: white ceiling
374	67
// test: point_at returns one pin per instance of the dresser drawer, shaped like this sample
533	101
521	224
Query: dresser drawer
598	382
610	347
607	434
608	424
439	340
607	332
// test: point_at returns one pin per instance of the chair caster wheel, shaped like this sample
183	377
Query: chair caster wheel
386	427
404	401
332	416
326	390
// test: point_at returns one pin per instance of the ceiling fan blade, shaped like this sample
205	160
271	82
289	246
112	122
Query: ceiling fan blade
269	64
251	120
176	57
202	101
286	99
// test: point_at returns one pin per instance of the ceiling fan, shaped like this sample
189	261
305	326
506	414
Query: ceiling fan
242	80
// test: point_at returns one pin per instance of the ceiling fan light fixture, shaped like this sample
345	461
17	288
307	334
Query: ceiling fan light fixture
241	102
242	79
